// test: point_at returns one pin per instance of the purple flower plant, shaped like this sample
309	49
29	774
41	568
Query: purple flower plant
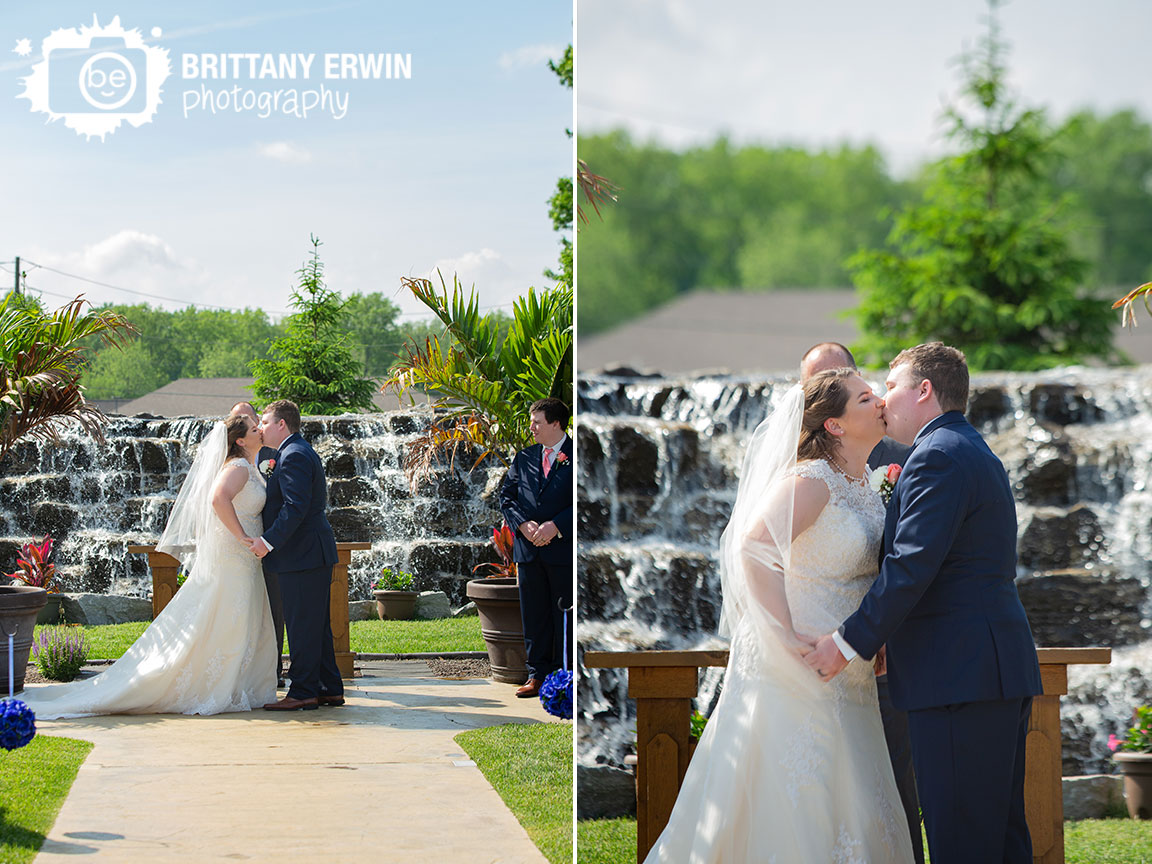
60	652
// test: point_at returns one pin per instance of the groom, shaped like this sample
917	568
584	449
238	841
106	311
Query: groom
299	547
961	659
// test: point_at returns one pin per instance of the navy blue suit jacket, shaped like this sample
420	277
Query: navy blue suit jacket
527	496
945	601
294	520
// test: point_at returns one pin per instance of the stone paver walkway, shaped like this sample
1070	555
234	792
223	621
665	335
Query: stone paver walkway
378	780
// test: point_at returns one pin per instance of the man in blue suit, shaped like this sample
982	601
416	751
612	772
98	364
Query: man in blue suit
536	500
961	659
265	462
298	545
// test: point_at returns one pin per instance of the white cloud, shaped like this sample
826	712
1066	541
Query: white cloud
286	151
142	267
530	55
497	281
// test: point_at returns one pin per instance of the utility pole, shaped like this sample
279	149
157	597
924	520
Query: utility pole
16	290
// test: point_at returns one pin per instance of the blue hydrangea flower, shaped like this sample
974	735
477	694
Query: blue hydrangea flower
17	724
556	694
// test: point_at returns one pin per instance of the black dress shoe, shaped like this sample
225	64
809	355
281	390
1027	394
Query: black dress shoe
290	704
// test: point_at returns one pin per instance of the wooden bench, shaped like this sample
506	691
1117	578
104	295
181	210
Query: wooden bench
164	569
663	683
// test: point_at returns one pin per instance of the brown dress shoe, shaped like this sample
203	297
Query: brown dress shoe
290	704
532	688
334	701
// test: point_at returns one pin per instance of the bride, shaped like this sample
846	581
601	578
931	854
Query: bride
212	649
791	770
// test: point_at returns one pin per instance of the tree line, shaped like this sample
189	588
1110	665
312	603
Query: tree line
758	218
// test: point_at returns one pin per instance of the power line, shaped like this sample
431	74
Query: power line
272	312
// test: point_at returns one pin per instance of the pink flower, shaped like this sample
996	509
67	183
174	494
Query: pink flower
892	473
561	457
1113	743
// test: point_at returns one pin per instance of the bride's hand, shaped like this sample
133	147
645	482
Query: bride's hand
799	644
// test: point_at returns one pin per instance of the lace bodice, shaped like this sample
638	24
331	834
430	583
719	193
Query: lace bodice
835	561
249	501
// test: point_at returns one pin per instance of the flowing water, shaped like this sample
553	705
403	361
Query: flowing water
97	499
659	460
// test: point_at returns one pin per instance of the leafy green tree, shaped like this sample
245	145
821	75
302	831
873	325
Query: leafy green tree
42	365
312	364
370	320
984	262
560	204
1105	163
485	384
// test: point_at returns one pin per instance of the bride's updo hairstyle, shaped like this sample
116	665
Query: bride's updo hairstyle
825	397
237	426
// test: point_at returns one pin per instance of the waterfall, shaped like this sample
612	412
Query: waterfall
659	461
97	499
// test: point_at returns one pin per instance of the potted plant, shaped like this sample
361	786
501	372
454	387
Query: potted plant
36	572
19	606
1133	755
395	599
497	600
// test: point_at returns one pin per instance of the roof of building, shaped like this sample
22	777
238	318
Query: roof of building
743	332
204	397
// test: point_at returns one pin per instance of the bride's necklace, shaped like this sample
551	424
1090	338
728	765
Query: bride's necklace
843	471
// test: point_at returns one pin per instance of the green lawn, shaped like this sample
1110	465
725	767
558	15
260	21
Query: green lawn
530	766
34	781
370	637
1091	841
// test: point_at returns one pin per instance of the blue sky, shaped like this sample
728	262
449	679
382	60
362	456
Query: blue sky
816	74
451	168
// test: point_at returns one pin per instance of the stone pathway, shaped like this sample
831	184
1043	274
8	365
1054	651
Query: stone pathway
378	780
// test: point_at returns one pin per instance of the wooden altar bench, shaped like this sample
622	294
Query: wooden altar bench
663	683
164	569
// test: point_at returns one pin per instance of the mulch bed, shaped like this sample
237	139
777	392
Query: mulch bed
476	668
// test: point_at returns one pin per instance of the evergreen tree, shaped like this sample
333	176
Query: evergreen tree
312	364
560	204
984	262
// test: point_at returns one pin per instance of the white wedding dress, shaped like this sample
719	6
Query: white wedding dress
211	650
790	770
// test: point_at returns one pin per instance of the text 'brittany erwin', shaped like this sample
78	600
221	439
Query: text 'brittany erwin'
258	66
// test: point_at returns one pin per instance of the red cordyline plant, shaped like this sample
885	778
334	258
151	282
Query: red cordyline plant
502	538
1126	303
34	567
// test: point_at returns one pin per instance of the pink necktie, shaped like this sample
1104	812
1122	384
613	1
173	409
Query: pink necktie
547	460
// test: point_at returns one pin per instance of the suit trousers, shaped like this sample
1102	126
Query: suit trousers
970	774
311	654
272	586
545	592
900	752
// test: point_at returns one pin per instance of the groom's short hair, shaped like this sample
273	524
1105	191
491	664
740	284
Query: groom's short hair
945	366
283	409
554	410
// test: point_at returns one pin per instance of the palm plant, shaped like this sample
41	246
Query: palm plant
1128	316
483	386
41	364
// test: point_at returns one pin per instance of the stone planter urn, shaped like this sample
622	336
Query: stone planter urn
50	614
498	605
396	605
1136	768
19	606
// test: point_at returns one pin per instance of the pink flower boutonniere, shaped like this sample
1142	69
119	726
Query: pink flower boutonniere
883	480
561	458
267	467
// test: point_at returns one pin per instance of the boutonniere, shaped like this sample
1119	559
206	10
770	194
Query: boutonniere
883	480
561	458
267	466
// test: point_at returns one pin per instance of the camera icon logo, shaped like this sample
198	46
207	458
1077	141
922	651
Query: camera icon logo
97	77
111	79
